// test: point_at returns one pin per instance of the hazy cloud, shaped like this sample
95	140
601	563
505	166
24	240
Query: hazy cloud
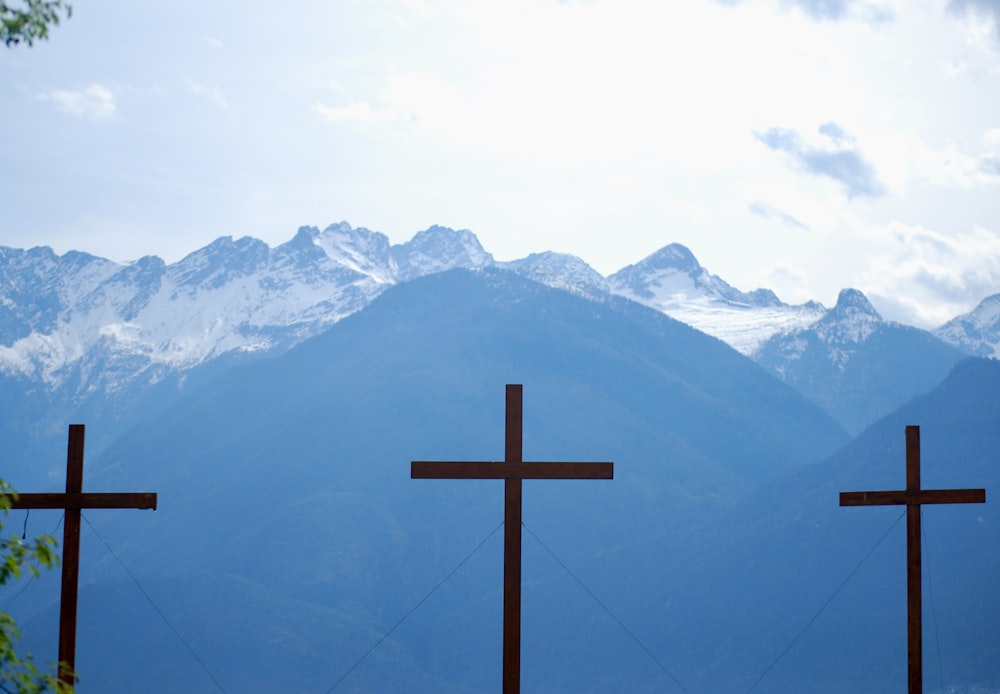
991	138
990	9
830	10
989	162
837	158
211	92
769	211
834	132
931	276
990	165
95	101
822	9
358	111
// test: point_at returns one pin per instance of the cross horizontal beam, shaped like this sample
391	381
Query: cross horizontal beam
914	497
81	500
438	470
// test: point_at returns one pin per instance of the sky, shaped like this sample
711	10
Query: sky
803	146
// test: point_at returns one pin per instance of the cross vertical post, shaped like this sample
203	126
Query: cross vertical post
913	497
512	470
71	555
73	501
914	595
512	543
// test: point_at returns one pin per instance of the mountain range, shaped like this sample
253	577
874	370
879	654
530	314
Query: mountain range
57	312
276	420
78	327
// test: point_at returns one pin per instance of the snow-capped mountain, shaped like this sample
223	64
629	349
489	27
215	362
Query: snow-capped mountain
839	333
60	313
976	332
438	249
672	281
855	364
94	325
91	325
562	271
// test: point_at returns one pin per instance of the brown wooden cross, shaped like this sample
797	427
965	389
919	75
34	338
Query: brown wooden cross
512	470
73	502
913	496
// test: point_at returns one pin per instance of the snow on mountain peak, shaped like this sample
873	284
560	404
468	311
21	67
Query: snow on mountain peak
976	332
362	250
674	256
437	249
854	301
562	271
230	296
667	276
851	321
62	317
672	280
217	263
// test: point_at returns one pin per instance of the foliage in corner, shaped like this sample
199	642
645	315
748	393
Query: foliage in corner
22	675
30	20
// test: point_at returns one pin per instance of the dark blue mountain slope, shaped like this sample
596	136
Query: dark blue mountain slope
287	512
742	588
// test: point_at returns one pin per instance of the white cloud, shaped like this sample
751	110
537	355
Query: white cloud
928	276
94	101
950	165
211	92
762	208
417	5
991	139
982	18
357	111
843	161
903	158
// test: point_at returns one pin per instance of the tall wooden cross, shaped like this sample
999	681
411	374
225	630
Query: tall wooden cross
512	470
73	501
913	496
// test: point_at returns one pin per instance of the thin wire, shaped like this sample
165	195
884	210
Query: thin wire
605	608
930	595
155	606
32	578
414	609
827	603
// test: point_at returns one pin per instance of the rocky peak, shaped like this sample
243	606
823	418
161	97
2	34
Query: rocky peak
852	320
437	249
220	261
673	256
359	249
854	301
976	332
562	271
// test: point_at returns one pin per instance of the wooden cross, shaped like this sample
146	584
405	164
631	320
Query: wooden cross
73	502
512	470
913	496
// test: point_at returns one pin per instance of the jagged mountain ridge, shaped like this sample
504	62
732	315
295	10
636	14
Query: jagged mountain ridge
855	364
94	325
976	332
62	315
230	296
672	281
